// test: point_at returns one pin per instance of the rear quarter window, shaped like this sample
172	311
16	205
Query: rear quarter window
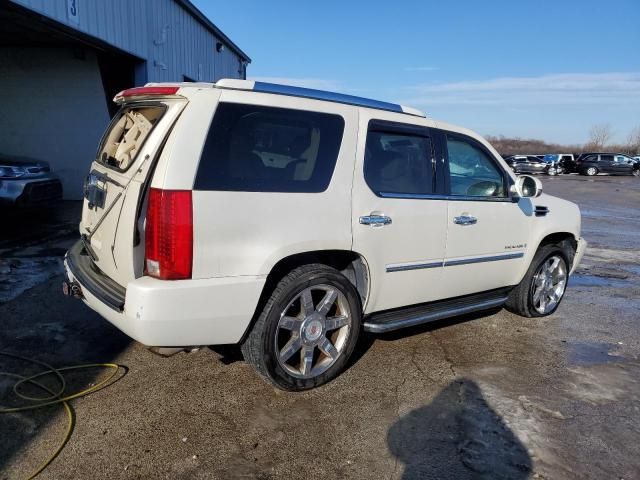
126	135
253	148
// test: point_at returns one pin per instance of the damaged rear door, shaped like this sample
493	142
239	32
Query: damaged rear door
114	189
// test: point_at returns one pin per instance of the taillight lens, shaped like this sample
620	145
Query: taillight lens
169	234
145	91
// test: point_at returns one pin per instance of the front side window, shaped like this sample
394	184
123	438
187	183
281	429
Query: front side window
398	163
471	172
251	148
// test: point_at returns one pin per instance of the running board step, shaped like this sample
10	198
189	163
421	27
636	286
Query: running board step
389	320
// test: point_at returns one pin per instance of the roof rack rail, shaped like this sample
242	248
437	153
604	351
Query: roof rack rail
292	91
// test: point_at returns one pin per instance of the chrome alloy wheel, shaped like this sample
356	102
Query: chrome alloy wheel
313	331
549	284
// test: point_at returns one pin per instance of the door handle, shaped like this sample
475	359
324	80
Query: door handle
465	220
375	220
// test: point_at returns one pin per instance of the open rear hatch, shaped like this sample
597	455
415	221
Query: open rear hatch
115	188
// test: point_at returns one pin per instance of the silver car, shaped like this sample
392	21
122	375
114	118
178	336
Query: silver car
27	182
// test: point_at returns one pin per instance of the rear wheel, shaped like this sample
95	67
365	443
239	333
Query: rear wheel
541	290
636	172
307	330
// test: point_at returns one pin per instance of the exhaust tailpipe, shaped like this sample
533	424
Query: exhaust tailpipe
72	289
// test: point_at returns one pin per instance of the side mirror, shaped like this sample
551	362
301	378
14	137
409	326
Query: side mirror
527	186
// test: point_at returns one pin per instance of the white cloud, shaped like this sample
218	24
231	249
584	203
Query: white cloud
558	89
317	83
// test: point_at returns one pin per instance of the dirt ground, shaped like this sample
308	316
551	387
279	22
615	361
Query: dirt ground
485	396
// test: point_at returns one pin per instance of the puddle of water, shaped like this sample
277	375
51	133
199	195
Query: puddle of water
582	280
591	353
635	269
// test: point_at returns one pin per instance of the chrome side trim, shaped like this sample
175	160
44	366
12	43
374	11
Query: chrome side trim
433	316
403	267
493	258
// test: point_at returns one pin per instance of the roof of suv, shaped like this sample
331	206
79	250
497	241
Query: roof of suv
292	91
278	89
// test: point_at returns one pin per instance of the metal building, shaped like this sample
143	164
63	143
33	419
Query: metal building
62	61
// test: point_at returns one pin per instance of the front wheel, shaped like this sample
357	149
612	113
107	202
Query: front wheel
307	330
541	290
591	171
636	172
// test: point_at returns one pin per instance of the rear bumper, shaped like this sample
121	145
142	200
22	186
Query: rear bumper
172	313
582	246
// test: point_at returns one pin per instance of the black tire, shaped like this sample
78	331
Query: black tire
259	347
520	299
636	172
590	171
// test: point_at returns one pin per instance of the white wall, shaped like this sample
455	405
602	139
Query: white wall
53	108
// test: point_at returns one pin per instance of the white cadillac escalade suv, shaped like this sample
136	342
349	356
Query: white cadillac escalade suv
288	220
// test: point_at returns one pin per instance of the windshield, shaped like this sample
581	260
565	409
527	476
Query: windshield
551	158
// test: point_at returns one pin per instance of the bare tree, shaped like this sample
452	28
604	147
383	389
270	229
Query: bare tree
634	140
600	135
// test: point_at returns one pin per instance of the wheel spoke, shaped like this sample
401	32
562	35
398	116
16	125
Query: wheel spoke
290	323
543	301
336	322
328	348
292	346
306	359
555	261
306	302
327	302
536	295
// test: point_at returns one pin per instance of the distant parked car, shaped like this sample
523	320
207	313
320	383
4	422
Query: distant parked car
527	164
27	182
560	163
612	163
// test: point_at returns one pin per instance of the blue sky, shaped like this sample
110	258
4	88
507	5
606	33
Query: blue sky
533	69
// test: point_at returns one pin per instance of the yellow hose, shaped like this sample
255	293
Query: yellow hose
54	397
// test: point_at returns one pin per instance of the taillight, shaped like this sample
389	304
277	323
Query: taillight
169	234
145	91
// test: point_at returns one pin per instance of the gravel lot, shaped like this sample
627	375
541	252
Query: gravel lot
486	396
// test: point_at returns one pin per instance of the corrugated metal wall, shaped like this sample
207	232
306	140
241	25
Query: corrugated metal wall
173	42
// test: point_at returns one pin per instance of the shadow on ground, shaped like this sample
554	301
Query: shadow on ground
457	436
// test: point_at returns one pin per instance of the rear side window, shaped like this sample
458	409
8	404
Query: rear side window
251	148
606	158
397	163
126	135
